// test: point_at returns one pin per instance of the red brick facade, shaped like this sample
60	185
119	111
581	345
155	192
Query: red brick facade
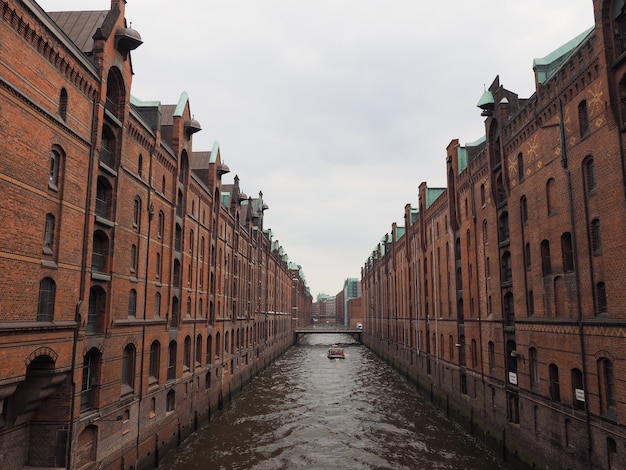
502	293
139	291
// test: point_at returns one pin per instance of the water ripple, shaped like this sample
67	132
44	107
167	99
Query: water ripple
309	412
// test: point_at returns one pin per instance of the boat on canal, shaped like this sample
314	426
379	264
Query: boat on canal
335	352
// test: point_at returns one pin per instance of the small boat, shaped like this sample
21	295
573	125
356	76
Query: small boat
335	353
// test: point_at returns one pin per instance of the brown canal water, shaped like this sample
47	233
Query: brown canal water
310	412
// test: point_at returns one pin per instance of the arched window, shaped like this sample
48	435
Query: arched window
155	362
140	165
107	148
533	365
551	196
590	175
170	402
187	354
128	368
133	258
546	266
583	119
578	392
441	346
137	213
48	235
501	194
209	350
451	347
474	354
157	305
132	303
47	293
504	227
177	276
555	390
115	97
509	309
492	358
95	314
178	238
171	361
611	452
606	387
100	251
89	386
103	198
218	345
161	224
55	164
520	167
527	257
485	232
524	210
179	204
199	351
507	268
175	312
63	104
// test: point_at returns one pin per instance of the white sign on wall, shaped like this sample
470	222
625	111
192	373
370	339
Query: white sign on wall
513	378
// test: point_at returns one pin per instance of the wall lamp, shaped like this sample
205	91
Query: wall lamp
517	355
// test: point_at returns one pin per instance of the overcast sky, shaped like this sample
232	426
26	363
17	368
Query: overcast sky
338	109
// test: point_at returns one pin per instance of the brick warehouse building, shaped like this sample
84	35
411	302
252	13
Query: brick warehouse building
502	294
140	291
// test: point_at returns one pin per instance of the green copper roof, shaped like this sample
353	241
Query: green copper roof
214	152
433	194
182	102
548	65
138	103
486	99
462	158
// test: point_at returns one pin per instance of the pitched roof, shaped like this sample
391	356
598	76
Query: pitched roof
79	26
547	66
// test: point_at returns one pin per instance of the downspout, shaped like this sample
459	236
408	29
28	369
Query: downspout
80	304
581	334
145	300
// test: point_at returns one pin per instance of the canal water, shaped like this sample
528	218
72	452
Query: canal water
310	412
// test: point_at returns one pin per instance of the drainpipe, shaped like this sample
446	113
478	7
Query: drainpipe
145	301
580	319
83	274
